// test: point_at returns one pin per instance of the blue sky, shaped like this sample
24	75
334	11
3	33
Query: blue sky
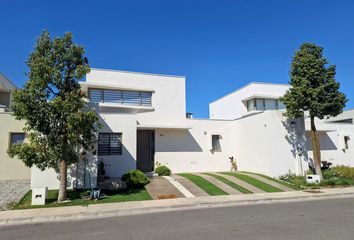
218	45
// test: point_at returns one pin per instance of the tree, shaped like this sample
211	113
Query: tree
53	107
314	92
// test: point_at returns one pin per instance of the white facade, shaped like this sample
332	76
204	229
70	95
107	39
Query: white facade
145	114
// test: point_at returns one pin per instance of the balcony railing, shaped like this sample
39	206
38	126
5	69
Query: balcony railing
133	98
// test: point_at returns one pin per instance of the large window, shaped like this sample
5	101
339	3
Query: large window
264	104
215	143
109	144
16	138
122	97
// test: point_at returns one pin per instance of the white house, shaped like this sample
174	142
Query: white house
144	122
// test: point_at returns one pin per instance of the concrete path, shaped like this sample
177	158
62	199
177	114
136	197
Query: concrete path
11	191
191	187
267	181
241	183
179	186
161	188
94	211
223	186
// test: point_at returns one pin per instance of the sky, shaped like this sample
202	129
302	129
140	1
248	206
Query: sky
219	46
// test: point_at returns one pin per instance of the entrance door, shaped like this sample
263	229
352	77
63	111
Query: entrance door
145	150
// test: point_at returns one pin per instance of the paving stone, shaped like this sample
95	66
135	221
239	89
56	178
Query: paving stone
242	183
12	191
270	182
190	186
223	186
161	188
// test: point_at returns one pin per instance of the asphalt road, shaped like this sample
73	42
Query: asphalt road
320	219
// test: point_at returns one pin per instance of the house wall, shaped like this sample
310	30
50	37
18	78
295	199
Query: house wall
190	150
10	168
234	105
169	93
332	141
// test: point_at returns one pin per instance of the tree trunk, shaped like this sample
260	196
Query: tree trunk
63	181
316	149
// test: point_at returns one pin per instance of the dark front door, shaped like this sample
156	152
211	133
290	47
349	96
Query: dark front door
145	150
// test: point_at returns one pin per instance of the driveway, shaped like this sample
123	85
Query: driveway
12	191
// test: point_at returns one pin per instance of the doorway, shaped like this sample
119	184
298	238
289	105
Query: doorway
145	150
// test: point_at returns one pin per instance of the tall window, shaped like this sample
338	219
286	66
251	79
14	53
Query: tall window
215	143
16	138
109	144
123	97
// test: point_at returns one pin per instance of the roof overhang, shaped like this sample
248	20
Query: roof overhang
170	127
265	96
86	85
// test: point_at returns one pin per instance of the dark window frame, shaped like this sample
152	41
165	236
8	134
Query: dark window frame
216	147
12	134
106	149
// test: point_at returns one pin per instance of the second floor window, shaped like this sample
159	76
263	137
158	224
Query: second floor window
134	98
16	138
264	104
109	144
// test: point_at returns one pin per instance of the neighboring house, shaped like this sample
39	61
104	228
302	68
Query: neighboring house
144	121
11	131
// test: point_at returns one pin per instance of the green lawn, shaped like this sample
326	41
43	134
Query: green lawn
75	197
230	183
255	182
277	180
207	186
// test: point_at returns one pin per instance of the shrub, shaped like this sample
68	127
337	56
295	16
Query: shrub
135	179
344	172
163	171
292	178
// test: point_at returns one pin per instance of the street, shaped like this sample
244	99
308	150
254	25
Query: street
319	219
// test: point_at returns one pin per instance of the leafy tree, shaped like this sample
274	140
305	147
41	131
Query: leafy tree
314	92
53	107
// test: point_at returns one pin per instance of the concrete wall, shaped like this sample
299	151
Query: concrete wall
331	138
234	105
10	168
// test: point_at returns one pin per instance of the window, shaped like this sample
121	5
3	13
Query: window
16	138
264	104
346	142
215	143
109	144
123	97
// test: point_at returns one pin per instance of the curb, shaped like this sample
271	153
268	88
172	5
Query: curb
203	204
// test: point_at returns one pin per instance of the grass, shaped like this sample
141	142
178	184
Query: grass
230	183
255	182
76	200
286	184
207	186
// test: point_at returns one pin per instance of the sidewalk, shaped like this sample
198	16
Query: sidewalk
77	213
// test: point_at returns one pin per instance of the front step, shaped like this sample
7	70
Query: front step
151	174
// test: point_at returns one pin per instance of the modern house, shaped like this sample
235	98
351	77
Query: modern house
144	122
11	131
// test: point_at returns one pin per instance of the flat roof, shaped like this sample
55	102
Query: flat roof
251	83
140	73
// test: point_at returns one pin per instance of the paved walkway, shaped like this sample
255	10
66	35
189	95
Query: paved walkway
190	186
241	183
76	213
161	188
11	191
223	186
267	181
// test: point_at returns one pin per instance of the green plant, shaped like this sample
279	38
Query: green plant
135	179
163	171
292	178
344	172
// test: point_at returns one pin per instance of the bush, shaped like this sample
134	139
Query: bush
135	179
344	172
163	171
292	178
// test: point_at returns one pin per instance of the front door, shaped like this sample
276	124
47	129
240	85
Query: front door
145	150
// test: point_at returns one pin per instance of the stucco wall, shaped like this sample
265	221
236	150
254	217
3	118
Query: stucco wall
233	105
10	168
